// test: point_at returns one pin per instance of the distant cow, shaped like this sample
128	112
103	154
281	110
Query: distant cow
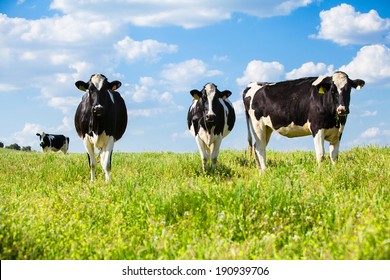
318	106
100	119
53	142
210	118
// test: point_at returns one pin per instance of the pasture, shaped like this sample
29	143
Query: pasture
162	206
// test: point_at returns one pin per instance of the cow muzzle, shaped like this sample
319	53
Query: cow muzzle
342	111
97	110
210	118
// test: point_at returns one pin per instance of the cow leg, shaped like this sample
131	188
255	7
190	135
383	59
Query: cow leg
91	156
319	145
215	152
65	147
105	158
334	151
204	152
261	143
249	137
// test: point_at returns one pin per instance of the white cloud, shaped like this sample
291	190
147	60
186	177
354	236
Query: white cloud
239	108
259	71
310	69
179	135
372	64
25	137
180	76
344	25
143	91
7	87
369	113
150	112
65	104
55	30
370	133
166	97
184	13
223	58
150	50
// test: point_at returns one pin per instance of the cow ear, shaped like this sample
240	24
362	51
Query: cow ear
37	134
358	84
196	94
225	94
324	86
83	86
114	85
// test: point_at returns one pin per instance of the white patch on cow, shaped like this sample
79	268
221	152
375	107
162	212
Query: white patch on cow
97	80
318	80
254	87
293	130
208	145
111	96
194	102
332	135
319	145
210	92
105	157
208	137
105	143
340	79
99	141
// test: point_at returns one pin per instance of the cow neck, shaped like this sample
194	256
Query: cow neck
331	98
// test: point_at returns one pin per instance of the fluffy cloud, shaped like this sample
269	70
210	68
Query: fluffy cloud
65	104
150	50
144	90
371	63
259	71
370	133
184	13
181	76
57	30
310	69
344	25
239	108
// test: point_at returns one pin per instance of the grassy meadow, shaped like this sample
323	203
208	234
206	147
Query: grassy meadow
162	206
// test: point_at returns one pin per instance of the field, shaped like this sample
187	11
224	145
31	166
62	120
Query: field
162	206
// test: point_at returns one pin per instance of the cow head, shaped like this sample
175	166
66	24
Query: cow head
338	87
207	98
44	139
41	138
98	90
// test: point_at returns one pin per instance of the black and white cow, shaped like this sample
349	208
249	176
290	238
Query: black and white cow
53	142
100	119
210	118
316	106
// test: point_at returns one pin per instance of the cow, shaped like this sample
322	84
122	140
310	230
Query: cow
53	142
210	118
316	106
100	120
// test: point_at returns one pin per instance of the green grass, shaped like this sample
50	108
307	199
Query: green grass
162	206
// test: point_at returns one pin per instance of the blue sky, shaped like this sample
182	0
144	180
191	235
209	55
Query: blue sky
160	50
